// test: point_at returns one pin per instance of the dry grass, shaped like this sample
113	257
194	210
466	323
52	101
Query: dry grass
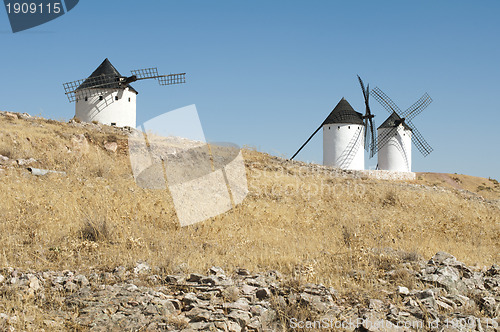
487	188
295	219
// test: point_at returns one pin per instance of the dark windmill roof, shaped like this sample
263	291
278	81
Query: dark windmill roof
391	122
344	113
109	71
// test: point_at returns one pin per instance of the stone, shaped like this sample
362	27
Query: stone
242	272
200	326
240	316
24	162
79	143
190	301
81	280
263	293
217	271
111	146
233	326
247	289
198	314
211	280
34	283
314	302
403	291
10	115
151	309
195	277
241	305
141	268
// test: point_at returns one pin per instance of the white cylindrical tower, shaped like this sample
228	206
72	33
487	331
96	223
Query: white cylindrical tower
394	140
111	107
101	98
343	138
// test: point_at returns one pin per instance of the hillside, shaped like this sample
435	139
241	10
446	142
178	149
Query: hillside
311	223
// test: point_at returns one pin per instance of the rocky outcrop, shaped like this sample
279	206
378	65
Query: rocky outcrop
455	298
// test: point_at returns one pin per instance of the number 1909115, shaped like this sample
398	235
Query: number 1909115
33	8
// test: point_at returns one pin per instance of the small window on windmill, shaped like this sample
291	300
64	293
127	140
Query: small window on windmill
101	97
116	97
113	123
129	99
86	98
339	128
348	127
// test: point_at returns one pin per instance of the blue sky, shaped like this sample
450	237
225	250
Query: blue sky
266	73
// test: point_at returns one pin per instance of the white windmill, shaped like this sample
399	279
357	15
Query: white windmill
345	133
343	137
397	132
107	97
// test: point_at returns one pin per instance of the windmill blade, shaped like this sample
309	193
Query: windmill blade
417	107
369	132
373	143
419	140
172	79
145	73
362	87
385	101
90	86
370	136
310	137
367	135
148	73
69	89
382	141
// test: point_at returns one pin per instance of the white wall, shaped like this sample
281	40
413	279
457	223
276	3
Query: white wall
121	112
395	155
343	146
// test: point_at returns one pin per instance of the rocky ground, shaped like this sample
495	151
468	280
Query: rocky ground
454	298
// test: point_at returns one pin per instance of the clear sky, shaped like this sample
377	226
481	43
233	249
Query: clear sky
266	73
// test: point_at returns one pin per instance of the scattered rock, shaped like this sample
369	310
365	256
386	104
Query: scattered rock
79	143
10	115
141	300
403	290
263	293
23	162
111	146
141	268
41	172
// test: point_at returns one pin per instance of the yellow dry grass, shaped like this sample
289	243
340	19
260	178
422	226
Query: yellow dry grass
297	218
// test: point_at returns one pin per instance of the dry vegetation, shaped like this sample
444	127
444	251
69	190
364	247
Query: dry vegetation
298	219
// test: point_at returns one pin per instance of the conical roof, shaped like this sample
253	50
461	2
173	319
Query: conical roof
110	75
392	120
344	113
